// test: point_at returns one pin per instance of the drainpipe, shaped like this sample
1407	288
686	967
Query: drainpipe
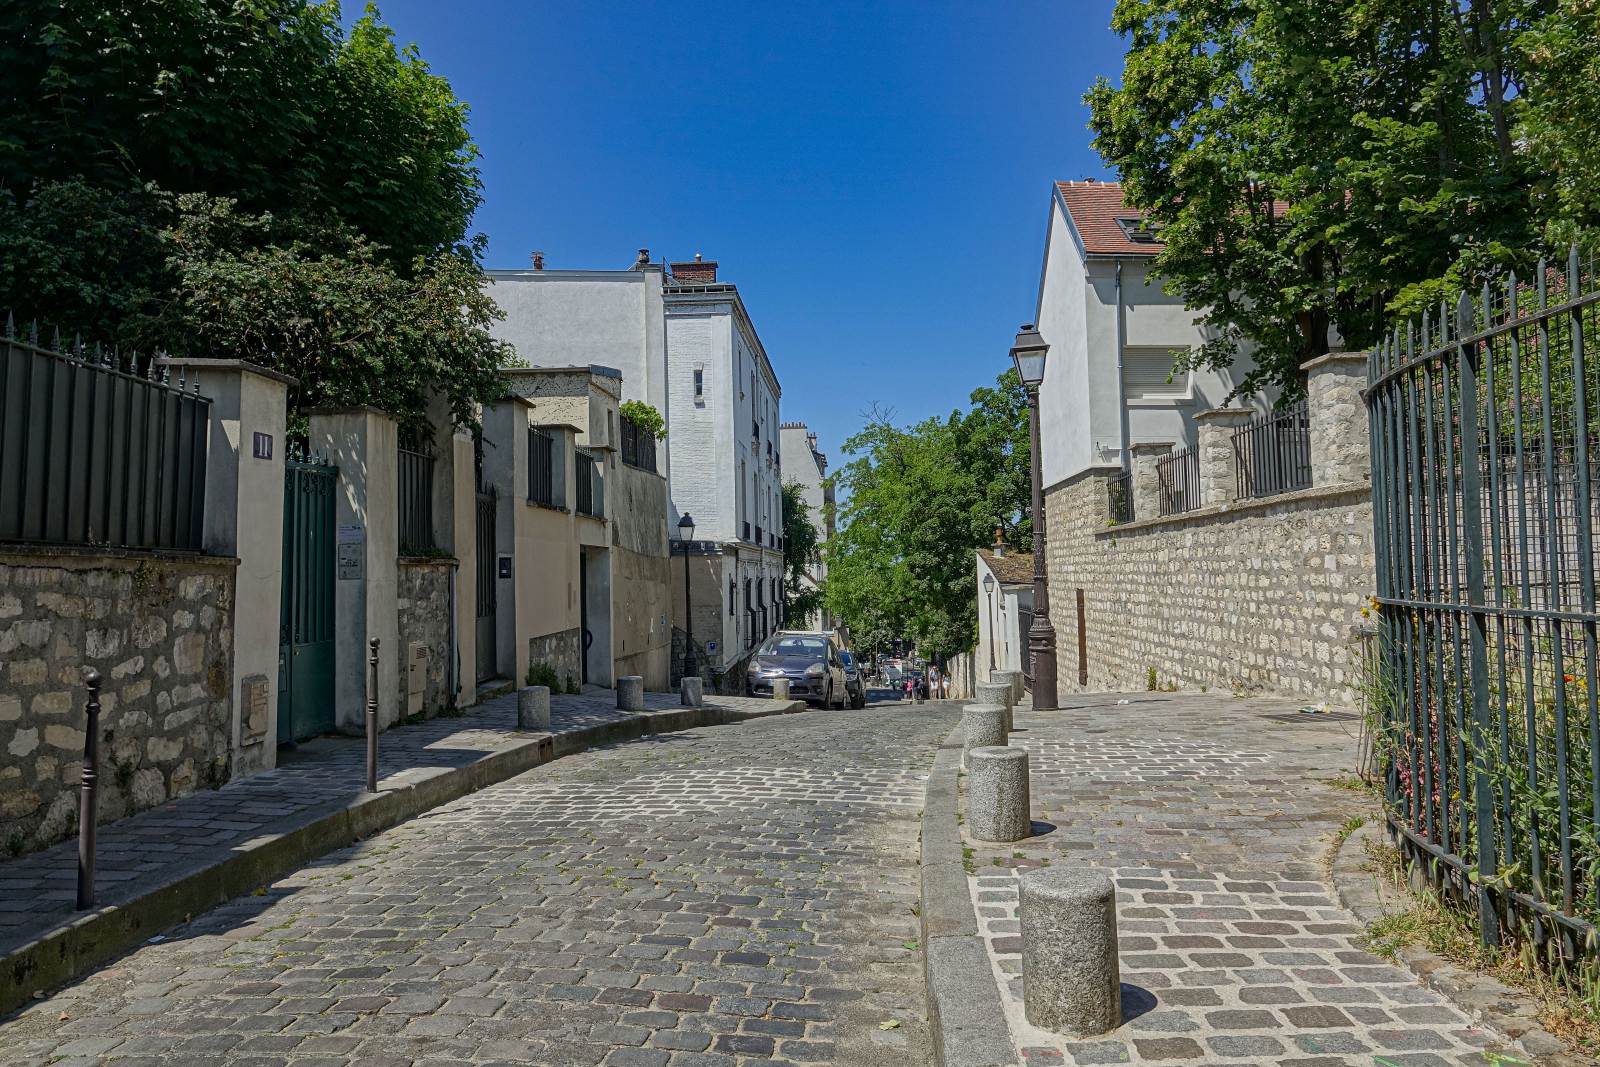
1122	381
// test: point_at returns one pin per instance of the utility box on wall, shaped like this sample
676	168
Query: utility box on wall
416	676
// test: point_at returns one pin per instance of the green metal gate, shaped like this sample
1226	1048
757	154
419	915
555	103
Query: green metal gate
305	627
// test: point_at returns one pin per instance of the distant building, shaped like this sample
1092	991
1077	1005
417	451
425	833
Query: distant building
1005	609
806	466
685	344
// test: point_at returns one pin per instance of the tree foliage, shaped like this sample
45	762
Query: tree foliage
802	551
1322	164
917	501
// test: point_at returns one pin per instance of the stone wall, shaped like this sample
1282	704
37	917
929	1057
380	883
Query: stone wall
423	600
160	631
562	650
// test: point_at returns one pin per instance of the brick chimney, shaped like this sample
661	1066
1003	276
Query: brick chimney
538	261
700	272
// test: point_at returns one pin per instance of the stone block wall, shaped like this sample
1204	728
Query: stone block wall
562	650
160	631
423	600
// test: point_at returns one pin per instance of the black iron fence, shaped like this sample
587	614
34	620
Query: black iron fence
638	446
98	448
1485	449
1178	478
415	482
1272	453
1120	497
541	466
591	492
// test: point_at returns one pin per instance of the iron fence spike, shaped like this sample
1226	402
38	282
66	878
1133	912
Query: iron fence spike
11	325
55	339
33	332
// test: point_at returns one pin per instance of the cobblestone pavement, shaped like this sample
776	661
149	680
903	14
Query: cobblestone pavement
733	895
1214	816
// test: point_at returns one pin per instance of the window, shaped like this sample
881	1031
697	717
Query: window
733	595
1138	231
1147	374
699	384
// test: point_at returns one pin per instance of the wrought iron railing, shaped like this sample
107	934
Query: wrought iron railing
98	448
638	446
1120	497
1272	453
1178	479
1485	459
541	466
591	493
415	485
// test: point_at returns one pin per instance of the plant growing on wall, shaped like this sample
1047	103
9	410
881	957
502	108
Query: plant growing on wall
645	417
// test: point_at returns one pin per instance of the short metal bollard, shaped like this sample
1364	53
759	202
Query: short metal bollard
780	689
982	726
1071	982
86	791
372	717
997	794
997	693
692	691
533	707
630	693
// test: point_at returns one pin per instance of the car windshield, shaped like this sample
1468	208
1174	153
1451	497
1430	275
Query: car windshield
847	659
794	646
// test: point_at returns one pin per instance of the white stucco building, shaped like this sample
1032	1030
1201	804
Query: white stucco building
686	345
1112	334
1005	609
807	466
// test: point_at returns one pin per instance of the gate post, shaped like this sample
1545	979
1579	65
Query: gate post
362	443
244	519
1340	452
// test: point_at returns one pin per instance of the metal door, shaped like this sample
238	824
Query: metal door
305	621
488	505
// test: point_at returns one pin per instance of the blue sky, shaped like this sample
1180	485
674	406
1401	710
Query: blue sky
874	177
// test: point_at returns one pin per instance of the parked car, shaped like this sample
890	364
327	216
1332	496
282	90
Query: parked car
854	684
809	661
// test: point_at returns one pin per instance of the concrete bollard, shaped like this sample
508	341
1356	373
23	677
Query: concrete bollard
533	707
692	691
997	794
630	693
1011	678
997	693
982	726
1070	978
780	689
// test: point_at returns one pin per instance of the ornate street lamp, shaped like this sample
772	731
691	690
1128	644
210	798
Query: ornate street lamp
1028	353
988	594
686	535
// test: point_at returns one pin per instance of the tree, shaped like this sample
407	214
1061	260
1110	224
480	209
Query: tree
1560	118
802	551
917	502
1317	164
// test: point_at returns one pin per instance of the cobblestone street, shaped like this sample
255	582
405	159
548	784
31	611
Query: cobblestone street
732	895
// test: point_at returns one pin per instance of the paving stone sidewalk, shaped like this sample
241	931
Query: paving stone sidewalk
734	895
138	854
1214	816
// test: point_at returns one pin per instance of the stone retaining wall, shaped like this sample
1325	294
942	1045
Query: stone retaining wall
562	650
160	631
423	601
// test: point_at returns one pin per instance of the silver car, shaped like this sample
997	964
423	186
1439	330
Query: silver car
811	664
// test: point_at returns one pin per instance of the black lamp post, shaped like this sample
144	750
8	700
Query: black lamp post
686	535
988	594
1028	353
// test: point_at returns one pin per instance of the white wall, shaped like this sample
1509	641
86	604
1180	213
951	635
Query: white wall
1064	428
999	623
702	481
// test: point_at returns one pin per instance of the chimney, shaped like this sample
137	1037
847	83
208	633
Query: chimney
538	261
644	258
700	272
999	545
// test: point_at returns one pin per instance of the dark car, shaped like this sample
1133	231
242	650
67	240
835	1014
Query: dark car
854	684
809	662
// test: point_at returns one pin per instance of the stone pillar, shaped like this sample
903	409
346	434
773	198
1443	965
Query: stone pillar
1070	976
1340	451
998	693
1146	483
457	465
244	519
692	691
630	692
780	689
982	726
1219	478
533	707
361	442
997	794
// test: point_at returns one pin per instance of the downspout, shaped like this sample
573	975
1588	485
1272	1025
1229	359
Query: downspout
1122	382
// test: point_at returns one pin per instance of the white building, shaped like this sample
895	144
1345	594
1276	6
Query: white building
805	465
1005	609
685	344
1112	333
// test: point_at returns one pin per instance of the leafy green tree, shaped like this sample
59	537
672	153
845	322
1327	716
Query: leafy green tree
802	550
1559	117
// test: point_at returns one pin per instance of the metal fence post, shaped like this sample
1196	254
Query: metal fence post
372	719
86	792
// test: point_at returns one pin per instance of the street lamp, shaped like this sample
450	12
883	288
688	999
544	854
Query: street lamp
988	593
686	535
1028	353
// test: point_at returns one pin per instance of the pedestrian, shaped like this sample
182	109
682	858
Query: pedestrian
934	678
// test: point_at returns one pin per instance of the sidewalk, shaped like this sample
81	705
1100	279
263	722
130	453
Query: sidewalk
160	866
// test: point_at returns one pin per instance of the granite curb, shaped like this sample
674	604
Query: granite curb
1369	897
966	1021
85	941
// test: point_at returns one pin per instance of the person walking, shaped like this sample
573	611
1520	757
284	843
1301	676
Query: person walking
935	679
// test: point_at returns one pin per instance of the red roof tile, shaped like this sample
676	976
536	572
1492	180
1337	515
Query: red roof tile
1095	208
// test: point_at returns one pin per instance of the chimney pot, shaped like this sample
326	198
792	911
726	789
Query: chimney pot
644	256
538	261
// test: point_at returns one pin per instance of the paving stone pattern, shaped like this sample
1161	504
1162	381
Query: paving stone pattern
1233	950
759	908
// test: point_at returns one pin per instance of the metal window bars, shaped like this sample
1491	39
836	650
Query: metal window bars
541	466
414	477
1272	453
1178	478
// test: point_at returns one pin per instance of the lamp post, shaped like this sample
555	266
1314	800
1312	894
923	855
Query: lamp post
686	535
1028	353
988	594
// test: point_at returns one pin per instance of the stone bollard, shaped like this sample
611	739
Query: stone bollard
692	691
1070	978
533	707
630	693
1011	678
780	689
997	794
997	693
982	726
